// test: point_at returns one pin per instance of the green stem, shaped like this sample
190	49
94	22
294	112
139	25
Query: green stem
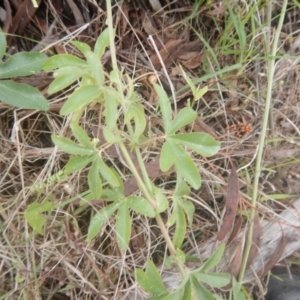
146	189
262	142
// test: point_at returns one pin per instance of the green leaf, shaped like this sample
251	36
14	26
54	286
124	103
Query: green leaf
72	70
156	279
77	163
200	291
175	295
141	206
98	220
109	136
188	208
81	136
111	97
102	42
112	195
215	280
182	189
180	255
22	64
144	280
188	291
166	158
83	47
188	80
81	97
33	215
136	112
236	289
186	167
2	44
180	229
63	60
22	95
213	260
186	116
200	93
111	176
165	106
161	200
150	280
95	65
69	146
61	82
114	76
94	180
123	226
201	142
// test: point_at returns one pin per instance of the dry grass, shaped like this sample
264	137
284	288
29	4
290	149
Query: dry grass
60	264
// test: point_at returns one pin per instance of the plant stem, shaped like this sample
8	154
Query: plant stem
165	234
262	142
146	189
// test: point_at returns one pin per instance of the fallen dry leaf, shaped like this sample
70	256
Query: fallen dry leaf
236	262
236	229
276	255
191	60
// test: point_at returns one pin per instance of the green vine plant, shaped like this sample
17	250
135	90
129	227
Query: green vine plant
18	65
124	124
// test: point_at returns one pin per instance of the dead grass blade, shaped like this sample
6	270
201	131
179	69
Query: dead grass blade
276	255
232	198
255	241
